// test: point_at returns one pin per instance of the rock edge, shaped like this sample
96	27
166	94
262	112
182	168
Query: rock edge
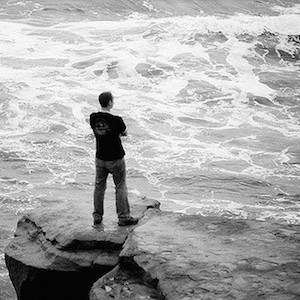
166	256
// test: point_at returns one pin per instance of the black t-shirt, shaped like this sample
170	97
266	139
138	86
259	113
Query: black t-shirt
107	129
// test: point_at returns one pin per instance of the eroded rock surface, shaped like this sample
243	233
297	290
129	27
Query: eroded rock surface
59	254
195	257
167	256
122	284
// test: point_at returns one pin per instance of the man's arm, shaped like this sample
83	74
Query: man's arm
123	129
92	120
124	133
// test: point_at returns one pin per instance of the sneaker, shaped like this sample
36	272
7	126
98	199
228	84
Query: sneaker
128	222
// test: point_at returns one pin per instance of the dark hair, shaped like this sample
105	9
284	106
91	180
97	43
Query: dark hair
104	98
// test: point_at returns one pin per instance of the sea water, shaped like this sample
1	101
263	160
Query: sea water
210	94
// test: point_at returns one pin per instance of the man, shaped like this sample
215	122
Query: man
110	153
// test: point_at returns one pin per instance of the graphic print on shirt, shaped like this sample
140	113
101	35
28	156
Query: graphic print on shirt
101	127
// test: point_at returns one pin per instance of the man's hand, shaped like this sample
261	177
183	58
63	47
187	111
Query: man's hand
124	133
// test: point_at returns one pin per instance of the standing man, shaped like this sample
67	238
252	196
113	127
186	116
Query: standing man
110	153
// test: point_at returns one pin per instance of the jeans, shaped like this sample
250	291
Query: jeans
118	170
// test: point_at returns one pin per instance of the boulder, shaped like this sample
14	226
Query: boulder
59	254
170	256
196	257
122	284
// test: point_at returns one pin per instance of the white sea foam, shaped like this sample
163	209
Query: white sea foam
288	10
186	87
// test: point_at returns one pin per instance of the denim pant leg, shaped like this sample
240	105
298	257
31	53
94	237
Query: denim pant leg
118	171
100	187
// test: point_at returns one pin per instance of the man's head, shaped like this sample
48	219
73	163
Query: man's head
106	99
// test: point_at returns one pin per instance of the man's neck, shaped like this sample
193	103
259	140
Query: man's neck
105	110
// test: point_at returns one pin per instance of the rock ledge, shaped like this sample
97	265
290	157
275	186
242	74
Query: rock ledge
166	256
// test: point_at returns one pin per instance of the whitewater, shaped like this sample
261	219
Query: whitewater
209	94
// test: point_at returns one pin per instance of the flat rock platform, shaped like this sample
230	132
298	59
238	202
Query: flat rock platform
60	255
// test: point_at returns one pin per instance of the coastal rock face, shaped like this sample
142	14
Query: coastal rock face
167	256
59	255
195	257
122	284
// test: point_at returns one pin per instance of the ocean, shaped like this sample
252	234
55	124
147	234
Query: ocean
209	91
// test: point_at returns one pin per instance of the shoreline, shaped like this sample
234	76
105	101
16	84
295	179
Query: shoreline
178	256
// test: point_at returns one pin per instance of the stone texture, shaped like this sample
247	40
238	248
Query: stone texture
195	257
59	254
122	284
